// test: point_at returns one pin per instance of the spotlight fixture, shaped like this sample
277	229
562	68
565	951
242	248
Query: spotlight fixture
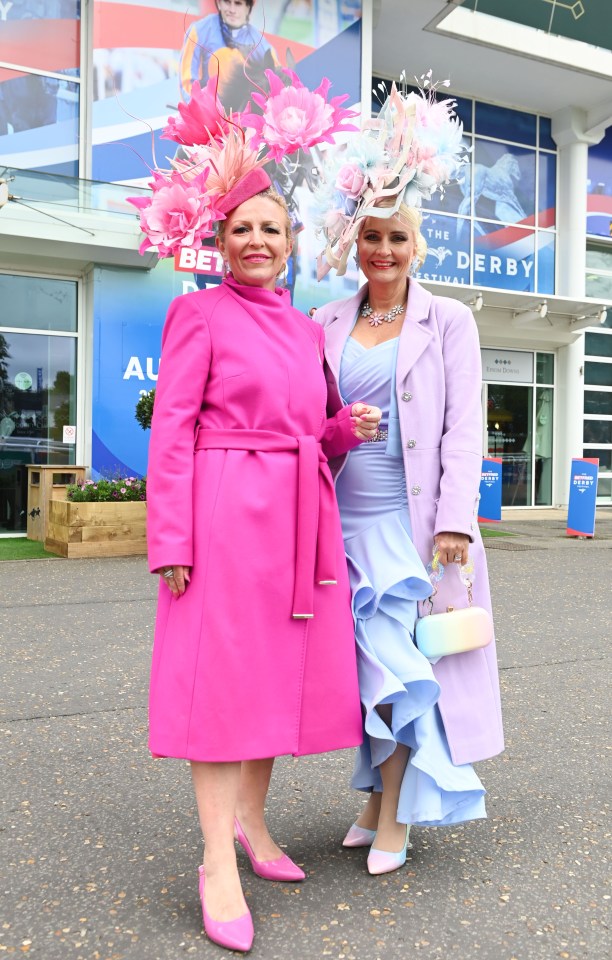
590	319
536	312
476	303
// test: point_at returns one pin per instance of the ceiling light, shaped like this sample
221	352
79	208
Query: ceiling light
536	312
590	320
476	303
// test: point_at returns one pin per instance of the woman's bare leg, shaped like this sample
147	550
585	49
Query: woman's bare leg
381	809
216	789
254	783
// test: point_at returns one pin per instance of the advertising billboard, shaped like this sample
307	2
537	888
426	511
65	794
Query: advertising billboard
39	112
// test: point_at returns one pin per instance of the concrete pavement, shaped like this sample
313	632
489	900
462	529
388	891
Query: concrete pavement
99	844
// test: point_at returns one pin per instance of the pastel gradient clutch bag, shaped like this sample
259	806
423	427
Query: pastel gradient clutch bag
456	631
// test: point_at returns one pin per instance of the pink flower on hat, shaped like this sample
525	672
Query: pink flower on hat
201	119
179	214
350	180
294	117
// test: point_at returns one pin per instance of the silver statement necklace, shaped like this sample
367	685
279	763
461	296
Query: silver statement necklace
375	319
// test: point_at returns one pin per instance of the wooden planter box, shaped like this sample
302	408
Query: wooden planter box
96	529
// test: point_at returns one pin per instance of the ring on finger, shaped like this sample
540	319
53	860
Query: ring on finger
168	573
457	558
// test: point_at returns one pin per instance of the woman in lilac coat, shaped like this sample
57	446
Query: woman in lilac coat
411	493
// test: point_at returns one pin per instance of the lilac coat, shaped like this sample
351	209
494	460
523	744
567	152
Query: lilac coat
438	381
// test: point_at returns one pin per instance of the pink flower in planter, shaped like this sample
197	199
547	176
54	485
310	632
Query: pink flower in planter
294	117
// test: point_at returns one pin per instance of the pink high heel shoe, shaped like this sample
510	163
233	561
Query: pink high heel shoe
233	934
359	837
280	869
385	861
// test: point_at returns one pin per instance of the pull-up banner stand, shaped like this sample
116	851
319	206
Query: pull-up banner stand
582	497
489	507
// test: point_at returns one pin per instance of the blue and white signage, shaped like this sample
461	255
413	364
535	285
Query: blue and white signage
582	497
489	507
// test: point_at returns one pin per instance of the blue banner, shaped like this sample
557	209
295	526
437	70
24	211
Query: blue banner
582	497
489	508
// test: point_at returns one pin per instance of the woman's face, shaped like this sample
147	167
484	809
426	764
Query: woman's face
386	249
234	13
255	242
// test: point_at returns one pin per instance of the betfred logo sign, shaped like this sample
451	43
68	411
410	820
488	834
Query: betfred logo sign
199	260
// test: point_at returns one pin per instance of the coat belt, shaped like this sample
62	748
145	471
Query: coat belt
315	540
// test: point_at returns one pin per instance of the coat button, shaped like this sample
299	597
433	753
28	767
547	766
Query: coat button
406	396
415	490
411	444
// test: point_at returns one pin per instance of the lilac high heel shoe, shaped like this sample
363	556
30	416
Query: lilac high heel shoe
233	934
280	869
359	837
384	861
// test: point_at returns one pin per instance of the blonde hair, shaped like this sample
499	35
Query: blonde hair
271	194
413	219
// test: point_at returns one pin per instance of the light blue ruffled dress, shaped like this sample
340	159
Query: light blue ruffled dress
387	580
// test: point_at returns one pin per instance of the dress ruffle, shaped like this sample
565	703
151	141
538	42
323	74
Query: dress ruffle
387	580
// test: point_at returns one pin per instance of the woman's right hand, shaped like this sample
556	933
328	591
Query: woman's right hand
176	579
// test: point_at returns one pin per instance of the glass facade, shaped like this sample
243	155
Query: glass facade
38	381
520	422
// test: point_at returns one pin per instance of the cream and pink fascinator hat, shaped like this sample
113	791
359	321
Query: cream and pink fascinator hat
411	149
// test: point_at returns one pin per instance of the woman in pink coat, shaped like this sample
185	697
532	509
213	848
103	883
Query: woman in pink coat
253	635
413	492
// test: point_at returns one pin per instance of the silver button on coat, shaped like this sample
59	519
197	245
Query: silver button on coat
415	490
411	444
406	396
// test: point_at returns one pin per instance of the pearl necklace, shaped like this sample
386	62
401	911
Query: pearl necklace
375	319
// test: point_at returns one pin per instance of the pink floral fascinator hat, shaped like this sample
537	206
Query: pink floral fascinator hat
411	149
222	160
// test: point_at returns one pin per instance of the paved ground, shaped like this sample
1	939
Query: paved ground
99	844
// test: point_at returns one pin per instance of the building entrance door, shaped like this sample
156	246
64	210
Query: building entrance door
38	357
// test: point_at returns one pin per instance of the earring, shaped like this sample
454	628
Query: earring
282	277
415	266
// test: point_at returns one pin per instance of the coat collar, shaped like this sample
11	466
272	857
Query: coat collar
414	337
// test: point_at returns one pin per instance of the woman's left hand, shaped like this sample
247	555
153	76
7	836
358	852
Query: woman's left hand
365	420
452	547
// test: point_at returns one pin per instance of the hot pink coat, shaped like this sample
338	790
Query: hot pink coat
438	381
239	490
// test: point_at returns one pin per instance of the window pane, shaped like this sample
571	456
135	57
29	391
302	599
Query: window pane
600	286
457	197
599	187
604	488
546	261
547	172
543	446
504	257
546	140
504	182
43	35
504	124
37	399
448	249
595	402
35	303
47	105
599	258
597	431
604	457
599	374
598	344
509	438
545	368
